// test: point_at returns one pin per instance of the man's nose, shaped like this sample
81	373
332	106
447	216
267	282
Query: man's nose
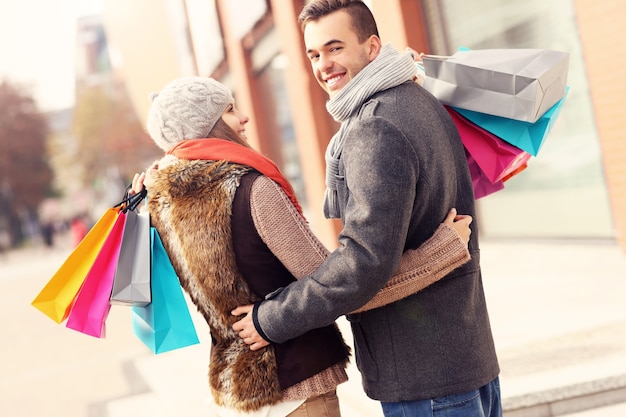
325	63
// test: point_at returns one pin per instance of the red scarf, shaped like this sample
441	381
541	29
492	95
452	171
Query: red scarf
220	149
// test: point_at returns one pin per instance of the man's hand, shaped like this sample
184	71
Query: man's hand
246	330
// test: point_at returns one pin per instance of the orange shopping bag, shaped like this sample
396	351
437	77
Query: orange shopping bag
57	297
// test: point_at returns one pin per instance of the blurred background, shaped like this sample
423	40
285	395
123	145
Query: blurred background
75	76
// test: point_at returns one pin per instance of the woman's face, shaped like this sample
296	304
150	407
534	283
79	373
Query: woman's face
236	120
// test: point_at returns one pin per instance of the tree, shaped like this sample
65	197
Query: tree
111	140
25	176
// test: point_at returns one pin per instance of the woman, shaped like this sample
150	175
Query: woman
235	233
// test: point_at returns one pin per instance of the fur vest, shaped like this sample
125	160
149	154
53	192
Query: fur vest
190	205
202	210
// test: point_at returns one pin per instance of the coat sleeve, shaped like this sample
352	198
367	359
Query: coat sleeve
381	175
289	237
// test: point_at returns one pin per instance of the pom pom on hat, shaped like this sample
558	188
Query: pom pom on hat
186	108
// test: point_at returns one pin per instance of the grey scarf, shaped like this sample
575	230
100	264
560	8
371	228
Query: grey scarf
388	70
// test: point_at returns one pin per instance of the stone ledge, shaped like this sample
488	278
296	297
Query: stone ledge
567	399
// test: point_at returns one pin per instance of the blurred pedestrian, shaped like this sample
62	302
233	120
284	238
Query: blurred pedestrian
47	233
78	229
5	241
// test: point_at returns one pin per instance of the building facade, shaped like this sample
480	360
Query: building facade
574	189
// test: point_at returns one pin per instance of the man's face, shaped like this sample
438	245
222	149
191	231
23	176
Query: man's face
334	51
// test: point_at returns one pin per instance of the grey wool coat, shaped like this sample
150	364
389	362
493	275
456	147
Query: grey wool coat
402	169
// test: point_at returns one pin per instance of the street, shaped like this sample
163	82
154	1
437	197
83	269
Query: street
48	370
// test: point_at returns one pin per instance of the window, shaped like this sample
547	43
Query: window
563	192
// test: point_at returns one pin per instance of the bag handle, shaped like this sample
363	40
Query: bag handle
438	56
131	201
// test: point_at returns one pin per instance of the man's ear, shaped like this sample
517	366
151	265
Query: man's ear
375	44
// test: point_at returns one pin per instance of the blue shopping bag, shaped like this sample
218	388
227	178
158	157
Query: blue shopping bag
165	324
525	135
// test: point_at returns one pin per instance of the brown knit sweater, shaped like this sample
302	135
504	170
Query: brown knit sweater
289	237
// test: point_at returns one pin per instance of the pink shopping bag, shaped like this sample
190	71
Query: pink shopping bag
91	306
482	185
494	156
57	297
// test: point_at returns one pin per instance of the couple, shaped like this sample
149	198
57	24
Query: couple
236	236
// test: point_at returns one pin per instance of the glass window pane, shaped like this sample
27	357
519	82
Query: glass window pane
245	13
273	78
563	192
206	36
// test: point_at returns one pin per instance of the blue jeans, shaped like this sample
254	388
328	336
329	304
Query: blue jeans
483	402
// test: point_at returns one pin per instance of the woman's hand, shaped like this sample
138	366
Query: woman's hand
460	223
143	179
137	184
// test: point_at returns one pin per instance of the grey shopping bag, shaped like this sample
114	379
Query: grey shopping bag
520	84
131	285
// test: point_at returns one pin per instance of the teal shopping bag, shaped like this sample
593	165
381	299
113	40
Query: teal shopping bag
527	136
165	324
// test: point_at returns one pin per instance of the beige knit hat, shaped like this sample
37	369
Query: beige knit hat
186	108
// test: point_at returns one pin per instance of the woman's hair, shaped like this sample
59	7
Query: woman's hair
222	131
363	22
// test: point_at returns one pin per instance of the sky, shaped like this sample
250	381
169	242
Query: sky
37	44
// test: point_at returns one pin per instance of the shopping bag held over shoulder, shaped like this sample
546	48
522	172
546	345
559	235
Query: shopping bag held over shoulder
524	135
519	84
494	156
482	185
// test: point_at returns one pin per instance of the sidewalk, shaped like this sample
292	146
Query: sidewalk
559	320
557	310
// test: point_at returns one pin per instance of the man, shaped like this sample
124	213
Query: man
394	169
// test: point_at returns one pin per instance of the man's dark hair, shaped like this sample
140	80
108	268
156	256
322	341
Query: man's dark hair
363	21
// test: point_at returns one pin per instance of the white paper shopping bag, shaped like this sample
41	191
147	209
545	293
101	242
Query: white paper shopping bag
520	84
132	277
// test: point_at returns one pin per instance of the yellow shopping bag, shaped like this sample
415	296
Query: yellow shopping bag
56	298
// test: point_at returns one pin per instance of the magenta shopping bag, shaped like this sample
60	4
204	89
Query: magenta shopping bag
91	306
494	156
526	136
57	297
482	185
